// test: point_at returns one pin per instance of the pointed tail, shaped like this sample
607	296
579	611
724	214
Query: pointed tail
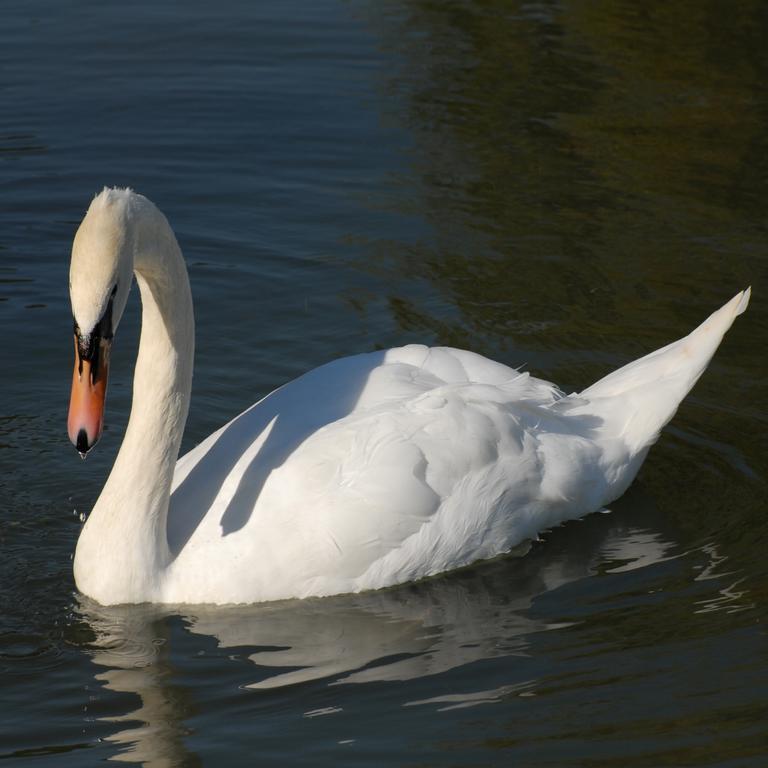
636	401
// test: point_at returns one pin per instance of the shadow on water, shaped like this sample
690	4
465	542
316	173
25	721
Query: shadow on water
411	633
258	441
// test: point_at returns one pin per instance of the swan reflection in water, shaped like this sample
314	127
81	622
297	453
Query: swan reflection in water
398	634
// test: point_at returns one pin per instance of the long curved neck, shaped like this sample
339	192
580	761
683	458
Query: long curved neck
123	548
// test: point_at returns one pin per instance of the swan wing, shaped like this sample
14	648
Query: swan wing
414	475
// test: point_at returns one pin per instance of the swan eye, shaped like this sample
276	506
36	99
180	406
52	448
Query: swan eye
88	344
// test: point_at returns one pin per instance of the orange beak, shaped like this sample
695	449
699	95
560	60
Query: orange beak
89	391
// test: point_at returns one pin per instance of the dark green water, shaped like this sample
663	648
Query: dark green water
564	187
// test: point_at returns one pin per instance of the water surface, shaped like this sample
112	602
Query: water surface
560	187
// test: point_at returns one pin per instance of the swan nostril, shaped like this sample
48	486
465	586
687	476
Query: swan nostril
82	442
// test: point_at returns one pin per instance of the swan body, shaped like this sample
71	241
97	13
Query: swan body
369	471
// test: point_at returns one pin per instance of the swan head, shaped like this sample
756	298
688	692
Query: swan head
100	276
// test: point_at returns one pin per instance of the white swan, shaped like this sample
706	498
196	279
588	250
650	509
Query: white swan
366	472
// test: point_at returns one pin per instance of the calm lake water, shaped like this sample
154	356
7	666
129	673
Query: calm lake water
564	187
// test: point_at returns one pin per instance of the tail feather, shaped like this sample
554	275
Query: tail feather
636	401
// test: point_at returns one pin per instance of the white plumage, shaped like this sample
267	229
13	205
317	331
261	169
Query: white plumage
369	471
